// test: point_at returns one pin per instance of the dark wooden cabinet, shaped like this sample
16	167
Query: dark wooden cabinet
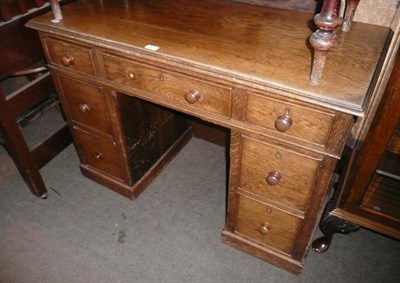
368	194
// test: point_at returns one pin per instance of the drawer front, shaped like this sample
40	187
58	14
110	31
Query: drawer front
290	119
276	173
69	55
99	154
266	224
180	89
86	104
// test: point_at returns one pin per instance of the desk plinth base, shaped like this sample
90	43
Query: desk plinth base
261	252
133	191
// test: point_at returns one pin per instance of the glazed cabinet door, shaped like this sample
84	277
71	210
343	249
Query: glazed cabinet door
370	192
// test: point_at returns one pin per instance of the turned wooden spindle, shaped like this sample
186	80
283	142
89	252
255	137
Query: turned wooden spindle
351	6
324	38
55	7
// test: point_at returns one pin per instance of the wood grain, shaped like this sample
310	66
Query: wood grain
305	5
297	171
257	46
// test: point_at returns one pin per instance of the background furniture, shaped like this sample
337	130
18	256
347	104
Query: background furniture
226	63
14	8
20	54
369	192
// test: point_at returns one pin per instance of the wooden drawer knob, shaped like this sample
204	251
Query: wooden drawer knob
192	96
67	60
264	228
283	122
84	108
273	178
98	155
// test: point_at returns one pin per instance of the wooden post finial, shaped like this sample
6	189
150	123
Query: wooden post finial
324	38
55	6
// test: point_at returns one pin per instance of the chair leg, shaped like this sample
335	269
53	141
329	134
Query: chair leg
19	151
26	168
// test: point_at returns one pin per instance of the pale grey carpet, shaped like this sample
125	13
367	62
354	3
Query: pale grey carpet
86	233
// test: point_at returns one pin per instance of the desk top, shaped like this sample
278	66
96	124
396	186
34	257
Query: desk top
252	45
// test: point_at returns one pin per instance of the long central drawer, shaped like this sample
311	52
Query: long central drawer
185	91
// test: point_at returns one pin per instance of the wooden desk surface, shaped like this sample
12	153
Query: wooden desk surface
252	45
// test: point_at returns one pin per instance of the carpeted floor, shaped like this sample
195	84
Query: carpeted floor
86	233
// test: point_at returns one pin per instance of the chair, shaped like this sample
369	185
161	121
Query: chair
20	49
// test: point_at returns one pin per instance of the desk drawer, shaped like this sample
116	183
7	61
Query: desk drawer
86	104
277	174
266	224
293	120
183	90
100	154
69	55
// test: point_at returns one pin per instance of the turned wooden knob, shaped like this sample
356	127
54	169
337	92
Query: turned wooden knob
283	123
264	228
192	96
67	60
273	178
84	108
98	155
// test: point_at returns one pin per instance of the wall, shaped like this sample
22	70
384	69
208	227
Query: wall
378	12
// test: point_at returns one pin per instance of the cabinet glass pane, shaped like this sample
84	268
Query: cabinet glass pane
390	163
383	195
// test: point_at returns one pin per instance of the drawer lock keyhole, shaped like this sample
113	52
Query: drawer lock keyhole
98	155
131	75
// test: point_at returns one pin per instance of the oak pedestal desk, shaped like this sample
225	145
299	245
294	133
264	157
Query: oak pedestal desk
125	70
